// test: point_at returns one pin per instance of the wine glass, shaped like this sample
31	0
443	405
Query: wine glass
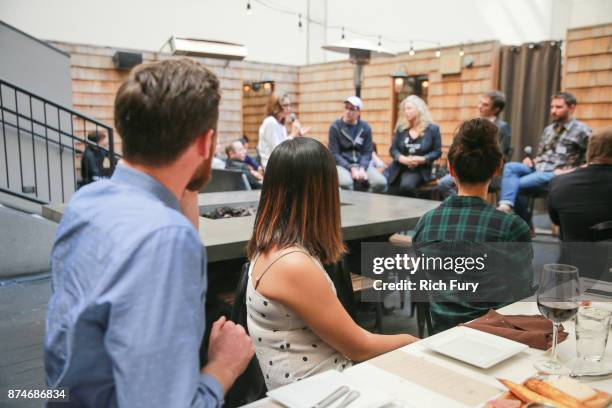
558	300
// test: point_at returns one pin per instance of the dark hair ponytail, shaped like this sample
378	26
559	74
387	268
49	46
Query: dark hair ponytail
475	153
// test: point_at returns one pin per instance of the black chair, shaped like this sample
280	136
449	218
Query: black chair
250	386
226	180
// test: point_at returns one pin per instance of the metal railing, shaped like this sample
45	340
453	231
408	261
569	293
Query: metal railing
41	145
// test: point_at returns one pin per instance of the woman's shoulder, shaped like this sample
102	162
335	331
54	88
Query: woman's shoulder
269	120
432	127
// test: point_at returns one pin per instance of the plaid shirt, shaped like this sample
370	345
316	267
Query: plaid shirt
562	146
471	219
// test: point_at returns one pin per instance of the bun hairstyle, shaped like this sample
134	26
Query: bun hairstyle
475	154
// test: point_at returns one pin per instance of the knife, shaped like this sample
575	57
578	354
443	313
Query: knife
331	398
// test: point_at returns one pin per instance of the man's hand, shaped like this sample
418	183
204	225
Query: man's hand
189	207
355	173
362	174
528	162
229	352
563	170
258	175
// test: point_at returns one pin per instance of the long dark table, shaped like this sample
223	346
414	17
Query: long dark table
363	215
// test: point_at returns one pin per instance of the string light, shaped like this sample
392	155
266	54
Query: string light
272	5
411	52
379	43
461	52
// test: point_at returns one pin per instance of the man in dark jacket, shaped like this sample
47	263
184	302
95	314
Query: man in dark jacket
93	158
350	142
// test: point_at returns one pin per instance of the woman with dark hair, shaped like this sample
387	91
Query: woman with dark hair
298	325
273	131
474	158
415	146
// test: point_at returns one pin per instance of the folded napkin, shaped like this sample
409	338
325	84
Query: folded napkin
534	331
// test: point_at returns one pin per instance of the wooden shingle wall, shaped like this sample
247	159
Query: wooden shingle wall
588	73
253	112
452	98
95	82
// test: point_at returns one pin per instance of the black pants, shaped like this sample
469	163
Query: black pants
406	183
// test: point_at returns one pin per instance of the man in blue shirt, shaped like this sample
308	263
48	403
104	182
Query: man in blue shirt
126	317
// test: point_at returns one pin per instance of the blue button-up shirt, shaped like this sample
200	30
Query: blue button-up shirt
126	317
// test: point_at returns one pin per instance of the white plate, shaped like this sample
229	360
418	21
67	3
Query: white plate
474	347
306	393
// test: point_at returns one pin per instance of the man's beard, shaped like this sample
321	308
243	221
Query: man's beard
201	176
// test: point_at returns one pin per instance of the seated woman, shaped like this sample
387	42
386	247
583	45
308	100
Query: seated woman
415	146
298	325
474	158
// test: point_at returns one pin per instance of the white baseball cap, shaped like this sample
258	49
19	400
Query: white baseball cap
355	101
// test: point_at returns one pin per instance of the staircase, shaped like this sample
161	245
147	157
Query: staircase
41	143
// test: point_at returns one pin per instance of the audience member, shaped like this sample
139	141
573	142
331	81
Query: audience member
415	146
92	161
236	159
562	148
583	198
350	142
126	317
273	131
300	326
490	107
248	159
474	157
218	161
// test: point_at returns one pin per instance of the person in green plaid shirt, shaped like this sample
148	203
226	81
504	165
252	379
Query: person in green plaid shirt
467	221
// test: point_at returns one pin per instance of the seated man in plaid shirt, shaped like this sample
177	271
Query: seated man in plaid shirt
562	149
468	221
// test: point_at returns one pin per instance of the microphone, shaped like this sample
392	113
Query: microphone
528	151
292	117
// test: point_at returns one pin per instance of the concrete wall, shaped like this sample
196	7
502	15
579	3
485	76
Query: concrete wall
43	70
34	65
26	249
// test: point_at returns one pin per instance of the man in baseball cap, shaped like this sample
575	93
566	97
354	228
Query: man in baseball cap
350	142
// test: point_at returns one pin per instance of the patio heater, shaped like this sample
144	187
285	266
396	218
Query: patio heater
360	53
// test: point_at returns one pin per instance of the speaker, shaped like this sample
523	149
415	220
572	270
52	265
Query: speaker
125	60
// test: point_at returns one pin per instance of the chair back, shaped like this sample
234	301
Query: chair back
250	385
226	180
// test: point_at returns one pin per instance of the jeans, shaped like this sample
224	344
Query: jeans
519	177
378	182
446	186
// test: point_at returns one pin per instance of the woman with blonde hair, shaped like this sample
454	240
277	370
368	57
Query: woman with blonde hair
298	325
415	146
273	130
